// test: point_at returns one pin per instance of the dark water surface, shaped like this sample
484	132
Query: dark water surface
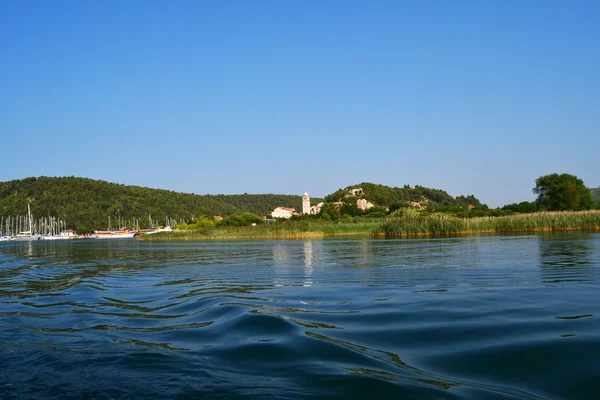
496	317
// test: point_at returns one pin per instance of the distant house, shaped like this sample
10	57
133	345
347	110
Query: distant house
218	218
283	212
364	204
417	205
316	209
470	207
337	205
355	192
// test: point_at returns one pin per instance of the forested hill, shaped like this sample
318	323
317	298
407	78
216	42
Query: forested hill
596	195
385	195
85	204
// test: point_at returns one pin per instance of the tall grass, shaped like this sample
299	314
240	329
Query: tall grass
444	225
289	229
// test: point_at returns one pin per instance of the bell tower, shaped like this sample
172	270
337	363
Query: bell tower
306	203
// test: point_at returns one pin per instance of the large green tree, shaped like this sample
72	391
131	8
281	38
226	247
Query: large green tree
562	192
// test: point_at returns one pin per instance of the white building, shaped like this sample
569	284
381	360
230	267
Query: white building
316	209
306	203
283	212
68	233
363	204
355	192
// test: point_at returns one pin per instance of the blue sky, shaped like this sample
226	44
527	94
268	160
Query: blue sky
474	97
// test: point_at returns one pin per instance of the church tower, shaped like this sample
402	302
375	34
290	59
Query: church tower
306	203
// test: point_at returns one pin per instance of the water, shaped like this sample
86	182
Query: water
491	317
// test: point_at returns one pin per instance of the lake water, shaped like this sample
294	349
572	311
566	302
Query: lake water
479	317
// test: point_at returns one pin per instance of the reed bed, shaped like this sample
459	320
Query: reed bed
433	225
299	229
535	222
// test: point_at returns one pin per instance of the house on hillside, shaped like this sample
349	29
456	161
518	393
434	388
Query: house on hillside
355	192
417	205
364	204
337	205
316	209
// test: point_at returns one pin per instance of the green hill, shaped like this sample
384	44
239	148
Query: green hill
85	203
385	196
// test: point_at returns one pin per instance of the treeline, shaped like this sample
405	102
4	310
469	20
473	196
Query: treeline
596	196
385	196
86	204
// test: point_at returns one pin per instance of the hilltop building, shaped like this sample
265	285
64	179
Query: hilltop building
306	203
355	192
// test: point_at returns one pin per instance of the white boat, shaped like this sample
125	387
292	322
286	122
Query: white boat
6	238
54	237
122	233
158	230
26	236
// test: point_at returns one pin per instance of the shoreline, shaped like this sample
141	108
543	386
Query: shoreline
301	235
377	235
400	227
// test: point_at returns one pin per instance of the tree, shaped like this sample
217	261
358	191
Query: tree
522	207
562	192
349	207
243	219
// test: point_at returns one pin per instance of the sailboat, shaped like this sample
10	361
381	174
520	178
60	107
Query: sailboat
52	230
28	235
166	228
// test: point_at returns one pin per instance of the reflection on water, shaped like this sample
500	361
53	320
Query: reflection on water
308	257
475	317
566	260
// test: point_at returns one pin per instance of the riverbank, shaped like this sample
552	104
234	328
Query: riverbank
414	226
286	230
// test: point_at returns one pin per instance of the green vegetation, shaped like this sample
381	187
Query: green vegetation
85	204
441	216
284	229
411	224
386	196
562	192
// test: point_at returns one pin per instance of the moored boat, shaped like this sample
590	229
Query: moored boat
26	236
122	233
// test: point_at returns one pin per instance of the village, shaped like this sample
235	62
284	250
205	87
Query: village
287	212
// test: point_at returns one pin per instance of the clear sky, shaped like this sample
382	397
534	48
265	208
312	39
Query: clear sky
476	97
